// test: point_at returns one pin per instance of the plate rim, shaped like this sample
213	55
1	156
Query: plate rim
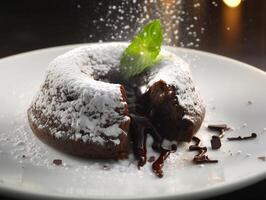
196	194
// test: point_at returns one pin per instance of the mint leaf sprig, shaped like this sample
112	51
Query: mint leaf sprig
143	50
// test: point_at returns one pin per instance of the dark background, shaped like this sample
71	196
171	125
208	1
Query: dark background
208	25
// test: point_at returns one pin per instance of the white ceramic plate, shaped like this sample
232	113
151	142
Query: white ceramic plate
226	86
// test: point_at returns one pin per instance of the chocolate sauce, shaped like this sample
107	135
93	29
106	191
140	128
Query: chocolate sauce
158	122
216	142
200	158
253	135
142	157
139	137
159	163
140	127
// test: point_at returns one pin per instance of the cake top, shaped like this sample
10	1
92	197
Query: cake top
175	72
76	95
72	95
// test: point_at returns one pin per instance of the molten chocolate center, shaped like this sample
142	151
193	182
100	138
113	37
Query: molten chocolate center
155	112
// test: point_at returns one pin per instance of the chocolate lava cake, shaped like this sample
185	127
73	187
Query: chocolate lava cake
86	108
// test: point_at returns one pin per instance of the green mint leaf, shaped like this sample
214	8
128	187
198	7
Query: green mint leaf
143	50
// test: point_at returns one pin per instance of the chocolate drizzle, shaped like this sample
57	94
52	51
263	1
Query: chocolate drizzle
200	158
141	126
253	135
154	113
159	163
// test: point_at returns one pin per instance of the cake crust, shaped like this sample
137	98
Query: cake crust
84	149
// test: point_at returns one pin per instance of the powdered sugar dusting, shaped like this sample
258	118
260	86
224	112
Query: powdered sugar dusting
26	148
23	145
71	97
78	104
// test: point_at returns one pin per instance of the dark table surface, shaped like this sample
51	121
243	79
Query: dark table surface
208	25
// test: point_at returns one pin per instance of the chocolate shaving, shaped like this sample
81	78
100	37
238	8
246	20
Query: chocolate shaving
57	161
200	158
253	135
106	167
216	142
220	128
263	158
196	140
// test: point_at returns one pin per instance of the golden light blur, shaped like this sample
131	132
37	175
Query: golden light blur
232	3
231	25
169	2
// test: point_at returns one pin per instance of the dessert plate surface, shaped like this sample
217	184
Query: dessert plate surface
234	93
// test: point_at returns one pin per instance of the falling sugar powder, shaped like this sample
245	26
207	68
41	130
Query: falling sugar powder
214	3
123	19
23	144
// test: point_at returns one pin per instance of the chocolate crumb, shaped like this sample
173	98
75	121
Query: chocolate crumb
216	142
57	161
106	167
151	159
253	135
263	158
250	102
